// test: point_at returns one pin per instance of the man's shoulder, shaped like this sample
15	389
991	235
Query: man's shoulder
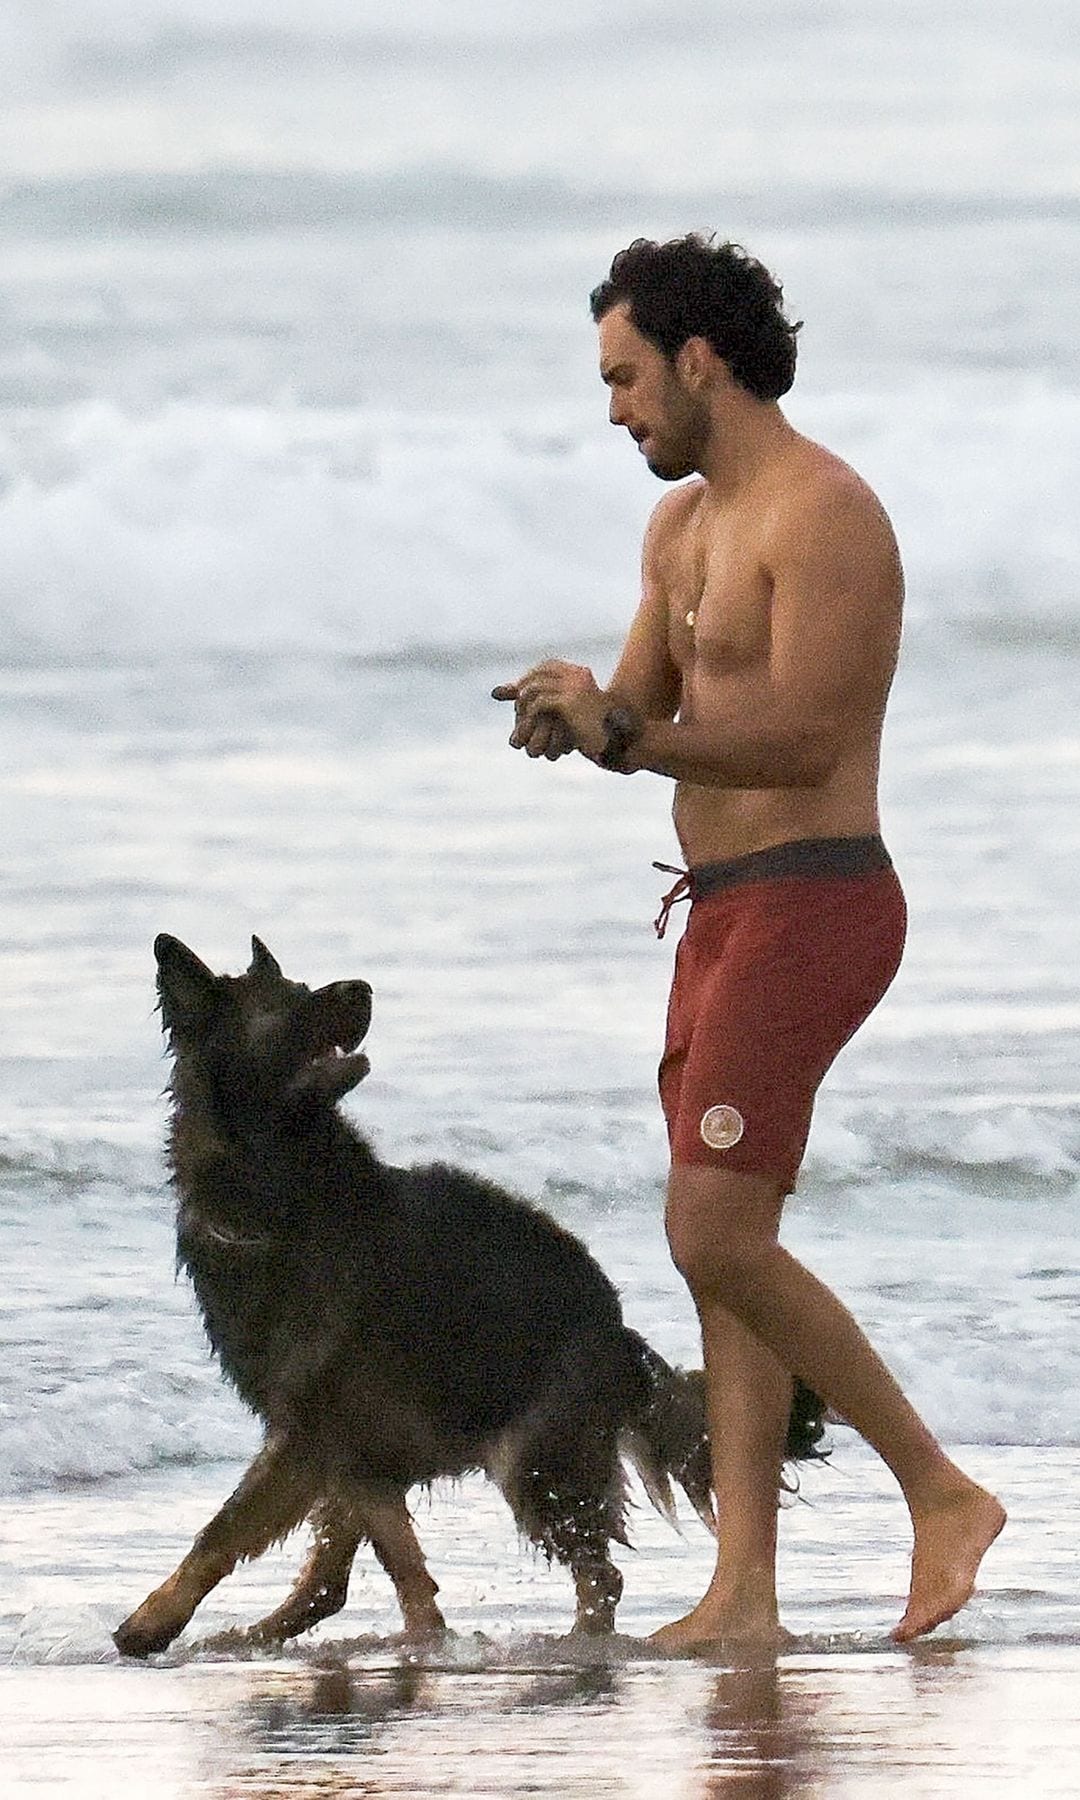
671	514
830	531
818	486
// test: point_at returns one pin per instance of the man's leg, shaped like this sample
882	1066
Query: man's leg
749	1402
722	1228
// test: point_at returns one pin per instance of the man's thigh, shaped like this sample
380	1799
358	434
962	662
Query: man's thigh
760	1010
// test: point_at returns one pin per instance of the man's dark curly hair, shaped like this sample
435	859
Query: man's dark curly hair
694	287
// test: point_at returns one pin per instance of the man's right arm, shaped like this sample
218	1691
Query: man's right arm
645	677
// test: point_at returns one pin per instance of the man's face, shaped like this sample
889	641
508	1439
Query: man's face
670	425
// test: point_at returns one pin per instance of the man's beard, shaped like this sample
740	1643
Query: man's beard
670	468
682	447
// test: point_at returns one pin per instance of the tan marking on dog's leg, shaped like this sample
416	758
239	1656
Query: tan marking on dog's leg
322	1586
388	1525
272	1498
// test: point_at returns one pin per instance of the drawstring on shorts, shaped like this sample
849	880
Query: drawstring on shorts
836	857
683	890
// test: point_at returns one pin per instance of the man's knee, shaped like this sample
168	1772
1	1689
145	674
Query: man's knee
719	1225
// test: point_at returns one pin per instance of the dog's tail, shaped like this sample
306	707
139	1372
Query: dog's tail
667	1438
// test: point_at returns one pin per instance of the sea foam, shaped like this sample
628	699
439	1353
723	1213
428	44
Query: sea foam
198	526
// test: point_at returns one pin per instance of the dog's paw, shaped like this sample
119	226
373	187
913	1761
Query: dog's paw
130	1640
144	1633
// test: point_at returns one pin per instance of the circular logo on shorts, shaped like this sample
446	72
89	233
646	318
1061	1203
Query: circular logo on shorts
721	1127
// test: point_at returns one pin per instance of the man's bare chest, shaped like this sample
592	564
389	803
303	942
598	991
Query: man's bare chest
719	603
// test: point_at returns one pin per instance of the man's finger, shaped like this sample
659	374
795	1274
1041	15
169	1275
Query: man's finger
539	739
524	729
526	733
558	739
538	696
539	735
549	674
560	742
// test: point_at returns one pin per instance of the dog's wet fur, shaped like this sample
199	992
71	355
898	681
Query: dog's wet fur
391	1325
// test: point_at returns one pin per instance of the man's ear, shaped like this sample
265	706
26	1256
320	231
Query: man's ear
186	986
696	364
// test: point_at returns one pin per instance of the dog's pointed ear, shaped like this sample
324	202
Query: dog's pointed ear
262	963
186	986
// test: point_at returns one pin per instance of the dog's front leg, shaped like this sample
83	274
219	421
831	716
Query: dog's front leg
341	1522
388	1525
274	1495
322	1586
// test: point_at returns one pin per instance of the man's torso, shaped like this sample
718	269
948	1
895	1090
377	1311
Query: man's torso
719	569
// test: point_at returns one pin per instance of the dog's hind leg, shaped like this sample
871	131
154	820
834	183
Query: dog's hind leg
342	1521
275	1494
568	1498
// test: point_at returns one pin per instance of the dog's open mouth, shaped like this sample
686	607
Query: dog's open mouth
340	1060
336	1026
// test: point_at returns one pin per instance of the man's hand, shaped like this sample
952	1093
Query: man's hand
554	701
549	736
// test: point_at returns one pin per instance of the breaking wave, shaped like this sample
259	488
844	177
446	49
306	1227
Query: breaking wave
197	526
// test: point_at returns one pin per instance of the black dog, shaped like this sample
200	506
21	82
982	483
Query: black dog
390	1325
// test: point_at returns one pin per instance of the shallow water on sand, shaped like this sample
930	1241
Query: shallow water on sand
941	1723
509	1706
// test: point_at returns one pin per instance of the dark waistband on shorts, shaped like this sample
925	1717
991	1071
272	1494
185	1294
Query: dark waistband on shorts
831	856
824	857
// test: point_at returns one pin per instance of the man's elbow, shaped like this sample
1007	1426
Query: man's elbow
810	759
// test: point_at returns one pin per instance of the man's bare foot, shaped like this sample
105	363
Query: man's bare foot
721	1623
951	1540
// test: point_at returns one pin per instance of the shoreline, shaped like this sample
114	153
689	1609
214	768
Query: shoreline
74	1562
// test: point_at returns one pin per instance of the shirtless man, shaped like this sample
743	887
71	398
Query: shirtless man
755	675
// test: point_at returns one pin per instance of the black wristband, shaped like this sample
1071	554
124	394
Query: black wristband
622	727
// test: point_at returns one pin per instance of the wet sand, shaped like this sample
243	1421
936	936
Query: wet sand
938	1721
989	1705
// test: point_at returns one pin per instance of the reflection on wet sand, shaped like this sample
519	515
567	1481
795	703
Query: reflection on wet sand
852	1720
686	1730
324	1732
298	1723
842	1720
855	1722
762	1736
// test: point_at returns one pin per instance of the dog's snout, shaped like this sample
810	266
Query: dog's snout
354	998
354	993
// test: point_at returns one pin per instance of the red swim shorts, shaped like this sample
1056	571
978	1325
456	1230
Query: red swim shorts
785	953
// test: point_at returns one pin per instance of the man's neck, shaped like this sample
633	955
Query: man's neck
747	435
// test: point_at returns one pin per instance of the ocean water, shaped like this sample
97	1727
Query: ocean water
302	446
